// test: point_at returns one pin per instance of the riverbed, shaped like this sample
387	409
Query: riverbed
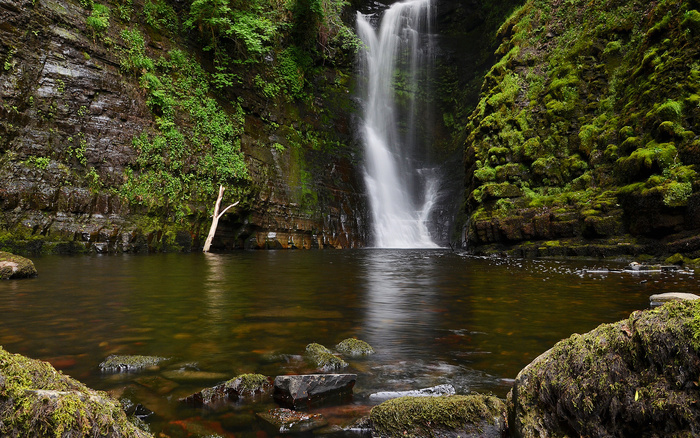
433	317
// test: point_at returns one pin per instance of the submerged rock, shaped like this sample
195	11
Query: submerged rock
354	347
38	401
245	385
14	266
289	421
313	389
119	364
455	416
433	391
323	358
631	378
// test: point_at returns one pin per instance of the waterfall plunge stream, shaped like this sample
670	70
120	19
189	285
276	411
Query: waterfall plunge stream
396	59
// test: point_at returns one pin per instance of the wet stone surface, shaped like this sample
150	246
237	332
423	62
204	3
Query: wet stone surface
313	389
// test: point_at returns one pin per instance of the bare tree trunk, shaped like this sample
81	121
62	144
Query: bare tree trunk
215	218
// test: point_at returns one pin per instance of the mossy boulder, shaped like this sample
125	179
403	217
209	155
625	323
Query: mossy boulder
323	358
462	416
38	401
354	347
636	377
14	266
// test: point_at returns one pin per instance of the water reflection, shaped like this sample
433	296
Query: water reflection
433	316
215	292
400	295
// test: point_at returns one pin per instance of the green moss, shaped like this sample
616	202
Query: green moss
670	111
426	416
323	358
354	347
691	20
676	194
485	174
248	384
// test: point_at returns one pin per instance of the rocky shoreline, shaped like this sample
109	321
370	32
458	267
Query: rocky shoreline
635	377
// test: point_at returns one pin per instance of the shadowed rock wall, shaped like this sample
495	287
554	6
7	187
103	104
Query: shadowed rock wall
69	114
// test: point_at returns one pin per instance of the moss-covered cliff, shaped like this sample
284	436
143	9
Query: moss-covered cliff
120	118
585	140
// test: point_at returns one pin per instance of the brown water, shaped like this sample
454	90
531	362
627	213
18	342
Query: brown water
433	316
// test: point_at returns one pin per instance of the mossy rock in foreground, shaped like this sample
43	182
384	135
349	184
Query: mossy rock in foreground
14	266
462	416
38	401
636	377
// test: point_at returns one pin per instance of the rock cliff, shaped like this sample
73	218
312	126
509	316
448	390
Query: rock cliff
116	128
585	139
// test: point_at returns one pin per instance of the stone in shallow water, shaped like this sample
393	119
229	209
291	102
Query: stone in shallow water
660	299
289	421
323	358
433	391
14	266
243	386
118	364
354	347
313	389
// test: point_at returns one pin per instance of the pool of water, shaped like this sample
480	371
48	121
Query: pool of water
433	316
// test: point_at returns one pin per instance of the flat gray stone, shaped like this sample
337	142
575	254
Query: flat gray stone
312	389
660	299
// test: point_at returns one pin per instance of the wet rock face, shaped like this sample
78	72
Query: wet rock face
68	117
636	377
554	152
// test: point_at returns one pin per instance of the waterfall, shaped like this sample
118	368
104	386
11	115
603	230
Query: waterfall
397	57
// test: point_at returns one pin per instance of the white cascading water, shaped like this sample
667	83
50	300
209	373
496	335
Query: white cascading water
401	195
